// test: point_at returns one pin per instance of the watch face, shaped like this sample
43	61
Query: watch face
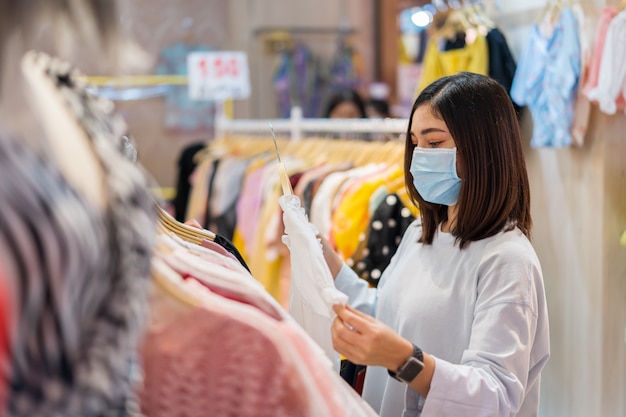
411	368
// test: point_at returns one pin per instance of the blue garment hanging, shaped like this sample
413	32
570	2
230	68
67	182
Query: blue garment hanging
547	79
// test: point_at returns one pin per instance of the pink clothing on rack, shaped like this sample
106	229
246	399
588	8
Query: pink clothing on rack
234	285
220	361
310	175
606	17
339	397
6	309
209	251
217	248
249	206
235	352
239	295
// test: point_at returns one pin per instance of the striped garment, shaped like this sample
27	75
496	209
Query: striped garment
79	274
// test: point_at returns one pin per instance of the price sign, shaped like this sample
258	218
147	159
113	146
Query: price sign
218	75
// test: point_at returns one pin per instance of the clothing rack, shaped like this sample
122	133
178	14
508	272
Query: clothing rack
296	125
255	232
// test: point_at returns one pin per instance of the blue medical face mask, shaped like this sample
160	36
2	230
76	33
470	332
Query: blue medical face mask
434	175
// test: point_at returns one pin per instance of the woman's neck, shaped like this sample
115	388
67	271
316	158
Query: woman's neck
449	225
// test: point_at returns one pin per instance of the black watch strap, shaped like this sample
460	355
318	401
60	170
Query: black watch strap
417	353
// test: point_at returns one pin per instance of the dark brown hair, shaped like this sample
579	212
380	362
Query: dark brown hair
342	96
495	193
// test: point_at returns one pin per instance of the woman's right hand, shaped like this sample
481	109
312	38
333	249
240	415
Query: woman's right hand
333	260
364	340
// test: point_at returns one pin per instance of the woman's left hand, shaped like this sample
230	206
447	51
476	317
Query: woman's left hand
364	340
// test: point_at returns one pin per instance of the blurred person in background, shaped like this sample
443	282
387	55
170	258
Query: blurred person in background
378	109
345	104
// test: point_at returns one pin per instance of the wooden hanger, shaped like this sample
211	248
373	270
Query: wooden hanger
191	234
455	22
622	6
334	152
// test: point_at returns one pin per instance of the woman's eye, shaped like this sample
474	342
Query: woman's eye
434	144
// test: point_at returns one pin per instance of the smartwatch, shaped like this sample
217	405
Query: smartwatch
411	368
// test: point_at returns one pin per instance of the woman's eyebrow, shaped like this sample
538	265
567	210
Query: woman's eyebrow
431	130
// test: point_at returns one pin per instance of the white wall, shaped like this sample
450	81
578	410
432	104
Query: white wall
579	209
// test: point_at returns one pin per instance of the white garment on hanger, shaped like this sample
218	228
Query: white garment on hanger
312	292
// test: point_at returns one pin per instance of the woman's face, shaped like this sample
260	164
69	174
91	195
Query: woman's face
429	131
345	110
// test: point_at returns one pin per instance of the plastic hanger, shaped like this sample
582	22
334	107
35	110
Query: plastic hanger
551	11
479	13
282	170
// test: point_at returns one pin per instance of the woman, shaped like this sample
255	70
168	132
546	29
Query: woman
461	325
345	104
